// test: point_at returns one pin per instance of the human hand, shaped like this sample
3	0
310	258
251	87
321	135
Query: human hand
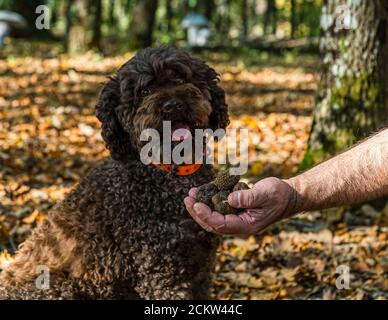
268	201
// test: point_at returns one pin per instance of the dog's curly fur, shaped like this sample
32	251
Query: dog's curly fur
123	232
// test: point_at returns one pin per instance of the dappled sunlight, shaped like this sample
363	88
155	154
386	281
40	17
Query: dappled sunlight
50	138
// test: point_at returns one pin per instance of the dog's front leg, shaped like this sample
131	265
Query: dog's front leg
163	286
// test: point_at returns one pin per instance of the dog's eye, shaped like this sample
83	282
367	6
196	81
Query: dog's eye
180	81
144	92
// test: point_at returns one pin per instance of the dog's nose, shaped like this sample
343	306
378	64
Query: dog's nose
172	105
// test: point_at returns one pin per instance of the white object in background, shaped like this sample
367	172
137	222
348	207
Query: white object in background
198	32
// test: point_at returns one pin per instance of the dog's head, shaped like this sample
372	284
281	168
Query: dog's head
158	84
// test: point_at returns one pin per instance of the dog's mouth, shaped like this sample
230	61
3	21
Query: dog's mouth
183	143
180	131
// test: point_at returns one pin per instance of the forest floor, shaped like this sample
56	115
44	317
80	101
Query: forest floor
49	139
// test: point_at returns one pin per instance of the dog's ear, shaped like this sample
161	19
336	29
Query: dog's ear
219	118
117	140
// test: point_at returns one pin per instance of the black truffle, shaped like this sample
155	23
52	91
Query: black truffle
220	203
215	194
240	186
226	181
206	192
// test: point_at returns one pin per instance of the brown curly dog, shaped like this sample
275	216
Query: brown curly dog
123	232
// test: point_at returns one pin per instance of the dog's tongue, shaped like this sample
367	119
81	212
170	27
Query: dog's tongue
180	131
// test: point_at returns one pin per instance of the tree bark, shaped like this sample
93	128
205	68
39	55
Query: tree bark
209	9
111	16
223	22
293	18
228	22
267	18
169	15
270	18
97	21
79	24
352	100
244	20
274	17
142	24
54	14
186	7
67	15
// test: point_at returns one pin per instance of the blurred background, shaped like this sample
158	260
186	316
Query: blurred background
117	25
307	77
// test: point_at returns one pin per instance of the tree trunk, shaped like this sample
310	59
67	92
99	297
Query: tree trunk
253	12
270	18
111	16
67	15
169	15
274	17
209	9
223	22
80	22
267	17
352	101
142	24
205	7
293	18
244	20
54	14
97	21
186	7
228	22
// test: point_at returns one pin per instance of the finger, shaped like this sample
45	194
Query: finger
225	224
212	220
189	202
243	199
193	192
242	224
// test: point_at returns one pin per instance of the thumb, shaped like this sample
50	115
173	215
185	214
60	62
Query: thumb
243	199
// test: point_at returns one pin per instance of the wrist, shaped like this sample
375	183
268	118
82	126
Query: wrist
295	203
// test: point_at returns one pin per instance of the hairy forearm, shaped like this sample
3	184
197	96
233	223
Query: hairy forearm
357	175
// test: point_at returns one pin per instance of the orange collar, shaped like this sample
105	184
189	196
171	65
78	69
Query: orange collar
181	170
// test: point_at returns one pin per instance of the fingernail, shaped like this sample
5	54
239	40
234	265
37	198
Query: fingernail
234	199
